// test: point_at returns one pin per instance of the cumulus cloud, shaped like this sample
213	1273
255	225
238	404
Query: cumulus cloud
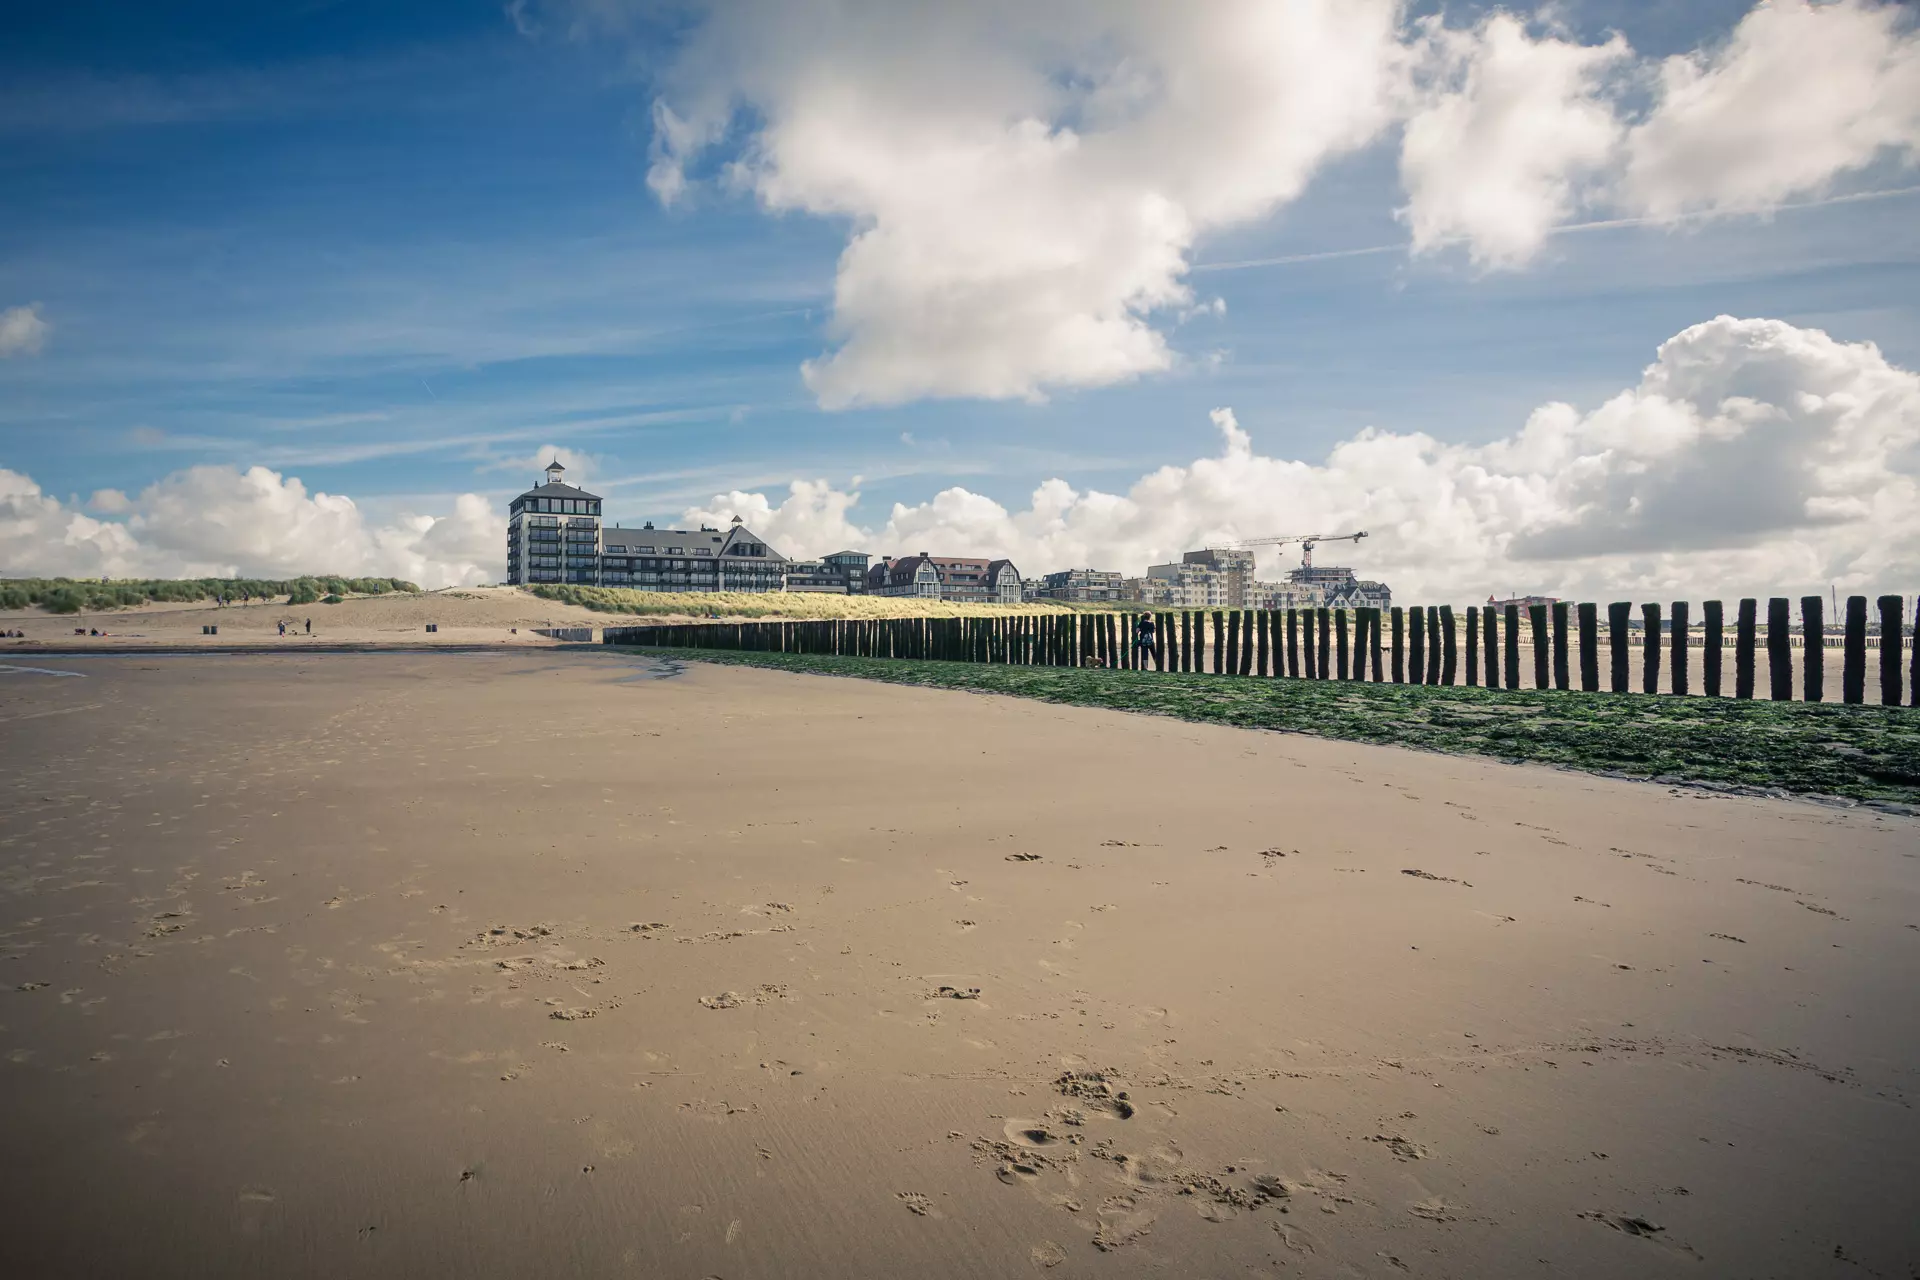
1799	94
1024	185
1507	128
23	331
220	521
1752	457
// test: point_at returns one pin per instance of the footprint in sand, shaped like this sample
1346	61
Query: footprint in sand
1047	1254
916	1203
1023	857
1096	1092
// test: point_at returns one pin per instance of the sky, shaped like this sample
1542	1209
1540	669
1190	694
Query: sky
1598	297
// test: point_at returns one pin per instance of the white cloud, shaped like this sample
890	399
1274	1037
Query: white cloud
1507	129
23	331
1024	185
1799	94
1753	457
110	502
1024	182
219	521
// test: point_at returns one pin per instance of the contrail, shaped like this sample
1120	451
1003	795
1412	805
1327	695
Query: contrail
1599	224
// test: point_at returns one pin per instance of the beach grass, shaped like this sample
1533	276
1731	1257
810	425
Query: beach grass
796	605
1867	753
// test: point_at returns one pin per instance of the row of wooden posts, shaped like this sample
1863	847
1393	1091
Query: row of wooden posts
1422	645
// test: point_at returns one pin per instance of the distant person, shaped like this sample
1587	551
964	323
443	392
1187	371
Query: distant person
1146	641
309	626
283	628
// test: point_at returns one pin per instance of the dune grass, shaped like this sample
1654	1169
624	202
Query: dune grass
91	595
1866	753
802	605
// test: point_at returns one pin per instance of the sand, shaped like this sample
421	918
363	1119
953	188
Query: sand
559	963
464	616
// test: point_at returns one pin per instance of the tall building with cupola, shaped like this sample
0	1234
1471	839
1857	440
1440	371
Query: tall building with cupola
553	533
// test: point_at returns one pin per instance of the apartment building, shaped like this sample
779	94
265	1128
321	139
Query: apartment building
705	559
555	534
842	573
1340	588
1184	585
1081	585
957	578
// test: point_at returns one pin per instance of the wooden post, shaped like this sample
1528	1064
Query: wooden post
1246	641
1713	650
1260	642
1853	672
1745	629
1219	642
1779	650
1373	633
1542	645
1399	645
1340	643
1913	672
1618	645
1513	646
1589	648
1449	646
1417	645
1680	648
1490	624
1890	624
1233	642
1326	643
1650	639
1433	645
1293	643
1813	657
1562	677
1473	645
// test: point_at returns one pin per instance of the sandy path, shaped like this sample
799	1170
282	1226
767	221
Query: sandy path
328	965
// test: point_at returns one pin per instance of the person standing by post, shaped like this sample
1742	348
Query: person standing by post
1145	636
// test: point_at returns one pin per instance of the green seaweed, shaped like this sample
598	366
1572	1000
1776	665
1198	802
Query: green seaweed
1855	752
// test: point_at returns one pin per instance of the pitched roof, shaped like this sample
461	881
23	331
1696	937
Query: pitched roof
557	491
712	540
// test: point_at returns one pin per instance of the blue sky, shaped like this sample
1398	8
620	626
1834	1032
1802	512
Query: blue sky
395	249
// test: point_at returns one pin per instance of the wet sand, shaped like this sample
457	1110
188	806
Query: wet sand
538	964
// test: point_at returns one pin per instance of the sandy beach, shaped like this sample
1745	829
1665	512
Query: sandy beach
566	963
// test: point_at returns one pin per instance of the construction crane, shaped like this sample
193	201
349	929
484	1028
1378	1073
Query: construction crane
1306	541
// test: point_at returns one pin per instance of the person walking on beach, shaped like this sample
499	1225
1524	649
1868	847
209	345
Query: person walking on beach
283	628
309	626
1145	636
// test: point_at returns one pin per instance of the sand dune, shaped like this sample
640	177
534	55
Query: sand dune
540	964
